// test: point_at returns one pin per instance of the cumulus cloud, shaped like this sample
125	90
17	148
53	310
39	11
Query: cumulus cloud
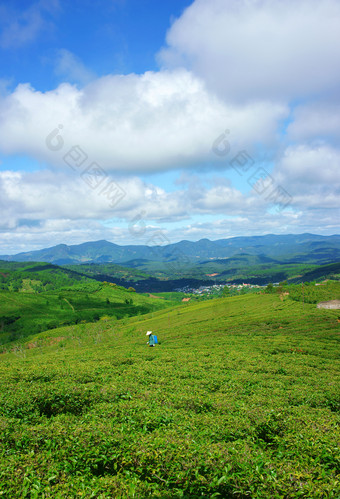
313	176
47	195
259	49
42	209
64	205
133	123
307	165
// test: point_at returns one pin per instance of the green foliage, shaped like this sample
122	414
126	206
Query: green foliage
238	401
311	293
269	288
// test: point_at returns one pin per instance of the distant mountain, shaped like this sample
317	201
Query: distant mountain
90	252
291	248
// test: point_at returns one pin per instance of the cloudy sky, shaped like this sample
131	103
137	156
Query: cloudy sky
126	119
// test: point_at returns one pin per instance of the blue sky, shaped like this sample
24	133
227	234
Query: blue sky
107	36
204	118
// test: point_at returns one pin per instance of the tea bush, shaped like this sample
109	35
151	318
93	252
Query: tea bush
91	411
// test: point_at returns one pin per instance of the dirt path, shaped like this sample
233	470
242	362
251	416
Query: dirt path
69	304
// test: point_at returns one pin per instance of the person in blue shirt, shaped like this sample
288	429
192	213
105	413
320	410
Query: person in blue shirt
151	341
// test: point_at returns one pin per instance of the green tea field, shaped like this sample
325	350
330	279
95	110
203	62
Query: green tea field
240	399
24	313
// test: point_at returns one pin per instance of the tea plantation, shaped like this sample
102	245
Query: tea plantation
23	313
240	399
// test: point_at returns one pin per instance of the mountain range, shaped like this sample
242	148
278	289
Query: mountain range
290	248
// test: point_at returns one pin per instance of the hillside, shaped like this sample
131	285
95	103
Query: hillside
42	277
234	271
36	300
38	277
240	399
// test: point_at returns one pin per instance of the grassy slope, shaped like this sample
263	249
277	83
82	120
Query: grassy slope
240	399
23	313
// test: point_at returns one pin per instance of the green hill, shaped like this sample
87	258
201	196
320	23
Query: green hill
240	399
26	311
38	277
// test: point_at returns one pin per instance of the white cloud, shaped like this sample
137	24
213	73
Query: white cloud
42	209
52	202
259	49
307	165
155	121
47	195
317	221
312	174
315	122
